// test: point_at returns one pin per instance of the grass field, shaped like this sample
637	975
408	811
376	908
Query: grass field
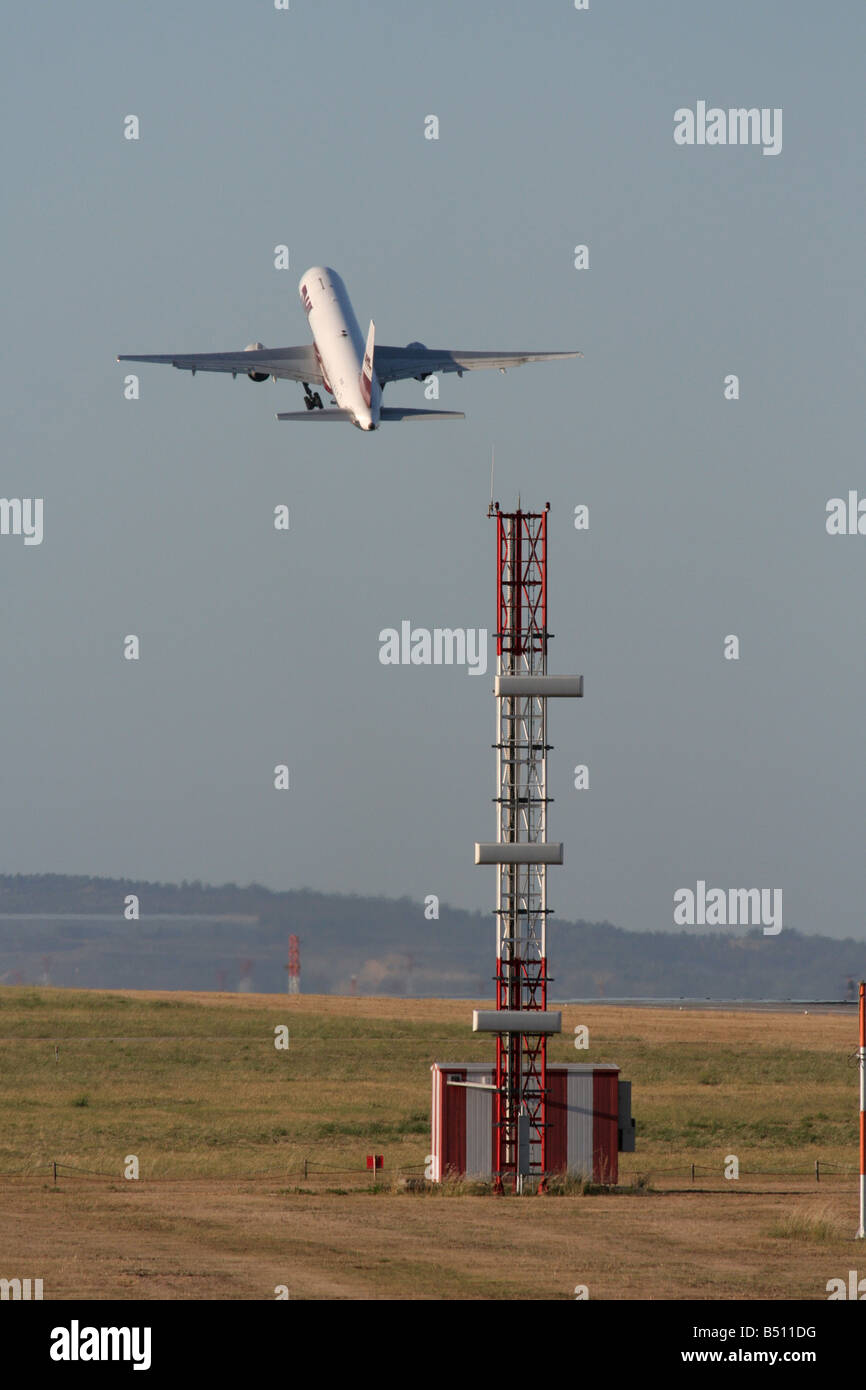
252	1159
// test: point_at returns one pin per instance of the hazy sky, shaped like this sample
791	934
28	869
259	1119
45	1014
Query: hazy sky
707	516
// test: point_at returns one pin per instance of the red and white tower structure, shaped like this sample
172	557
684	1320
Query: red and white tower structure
861	1062
518	1117
522	851
294	966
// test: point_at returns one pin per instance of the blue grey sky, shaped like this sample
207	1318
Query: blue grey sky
707	517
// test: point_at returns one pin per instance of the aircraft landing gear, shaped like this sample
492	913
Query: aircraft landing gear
312	399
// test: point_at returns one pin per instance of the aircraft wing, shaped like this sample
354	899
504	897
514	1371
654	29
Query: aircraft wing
398	364
292	364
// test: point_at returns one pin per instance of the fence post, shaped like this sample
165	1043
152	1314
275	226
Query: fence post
693	1172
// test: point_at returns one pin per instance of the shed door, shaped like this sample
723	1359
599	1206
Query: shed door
453	1123
556	1144
605	1104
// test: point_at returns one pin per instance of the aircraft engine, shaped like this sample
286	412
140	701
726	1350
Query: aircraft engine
256	376
409	347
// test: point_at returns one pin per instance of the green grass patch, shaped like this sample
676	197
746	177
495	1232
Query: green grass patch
199	1089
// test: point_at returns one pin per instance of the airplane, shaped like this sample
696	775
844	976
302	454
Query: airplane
353	372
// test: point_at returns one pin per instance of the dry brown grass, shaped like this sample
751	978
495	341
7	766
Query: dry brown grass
233	1241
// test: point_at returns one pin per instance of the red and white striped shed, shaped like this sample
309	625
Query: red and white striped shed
582	1120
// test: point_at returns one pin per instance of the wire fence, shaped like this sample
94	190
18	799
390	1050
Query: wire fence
822	1171
819	1168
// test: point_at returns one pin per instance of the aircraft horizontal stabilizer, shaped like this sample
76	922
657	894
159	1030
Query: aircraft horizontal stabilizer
315	416
398	412
386	413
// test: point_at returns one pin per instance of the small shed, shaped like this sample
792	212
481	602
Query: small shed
588	1120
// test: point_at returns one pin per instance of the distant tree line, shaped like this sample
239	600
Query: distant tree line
380	946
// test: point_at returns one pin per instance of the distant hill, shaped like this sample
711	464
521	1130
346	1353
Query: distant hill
72	931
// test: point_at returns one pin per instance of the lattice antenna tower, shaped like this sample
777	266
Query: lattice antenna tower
522	851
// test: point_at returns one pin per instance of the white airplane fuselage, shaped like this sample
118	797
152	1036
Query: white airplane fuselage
339	346
355	371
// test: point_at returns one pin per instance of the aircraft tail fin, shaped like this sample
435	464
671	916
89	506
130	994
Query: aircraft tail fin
367	369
